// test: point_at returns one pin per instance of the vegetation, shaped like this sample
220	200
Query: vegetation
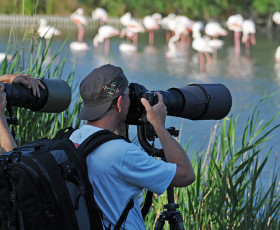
227	193
195	9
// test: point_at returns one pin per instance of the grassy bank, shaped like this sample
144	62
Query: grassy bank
227	193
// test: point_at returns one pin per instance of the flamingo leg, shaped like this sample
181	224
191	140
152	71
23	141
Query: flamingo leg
107	45
80	32
201	61
209	60
151	37
237	43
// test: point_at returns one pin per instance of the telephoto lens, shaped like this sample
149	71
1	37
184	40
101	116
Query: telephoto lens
194	102
54	99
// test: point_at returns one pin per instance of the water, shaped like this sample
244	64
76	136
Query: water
248	78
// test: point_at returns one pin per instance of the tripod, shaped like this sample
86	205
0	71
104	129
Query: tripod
171	214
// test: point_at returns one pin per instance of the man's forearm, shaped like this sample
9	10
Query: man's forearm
174	153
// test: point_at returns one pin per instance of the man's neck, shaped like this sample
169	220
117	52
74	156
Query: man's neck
103	124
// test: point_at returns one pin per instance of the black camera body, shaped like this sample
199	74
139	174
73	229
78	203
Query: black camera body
194	101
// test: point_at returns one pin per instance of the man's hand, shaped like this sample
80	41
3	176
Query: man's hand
24	79
30	83
156	114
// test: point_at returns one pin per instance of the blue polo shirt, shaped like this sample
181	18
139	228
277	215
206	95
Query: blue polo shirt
118	171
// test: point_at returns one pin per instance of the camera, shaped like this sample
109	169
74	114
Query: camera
54	99
194	102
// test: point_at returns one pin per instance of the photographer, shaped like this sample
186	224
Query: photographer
7	142
119	170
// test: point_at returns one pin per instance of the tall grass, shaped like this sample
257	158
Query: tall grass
33	57
228	192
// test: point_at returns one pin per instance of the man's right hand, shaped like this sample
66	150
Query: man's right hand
156	114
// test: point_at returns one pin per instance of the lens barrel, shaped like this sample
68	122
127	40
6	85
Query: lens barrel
54	99
194	102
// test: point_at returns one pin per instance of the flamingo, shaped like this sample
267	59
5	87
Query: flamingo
100	14
201	44
249	30
131	27
172	49
104	33
78	18
276	17
214	30
47	32
168	24
185	24
277	55
151	25
234	23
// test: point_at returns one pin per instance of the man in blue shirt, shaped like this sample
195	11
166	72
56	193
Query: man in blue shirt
118	170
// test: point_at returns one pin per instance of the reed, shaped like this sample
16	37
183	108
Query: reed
228	191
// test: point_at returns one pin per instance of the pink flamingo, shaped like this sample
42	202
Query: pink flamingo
104	33
201	45
248	30
151	25
234	23
100	14
78	18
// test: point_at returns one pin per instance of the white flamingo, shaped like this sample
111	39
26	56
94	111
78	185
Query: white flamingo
131	28
185	24
234	23
215	30
248	30
47	32
101	15
172	49
151	25
105	33
201	45
276	17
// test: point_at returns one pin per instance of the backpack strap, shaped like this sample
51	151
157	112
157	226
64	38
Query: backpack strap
96	139
64	133
92	142
124	214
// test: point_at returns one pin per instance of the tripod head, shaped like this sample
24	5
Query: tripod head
147	133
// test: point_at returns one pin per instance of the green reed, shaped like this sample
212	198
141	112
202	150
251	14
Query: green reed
228	192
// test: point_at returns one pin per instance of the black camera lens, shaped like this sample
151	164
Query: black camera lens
194	101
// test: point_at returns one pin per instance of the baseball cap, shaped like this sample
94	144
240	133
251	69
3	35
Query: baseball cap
99	88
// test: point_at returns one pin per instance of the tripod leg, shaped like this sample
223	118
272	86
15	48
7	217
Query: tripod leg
160	221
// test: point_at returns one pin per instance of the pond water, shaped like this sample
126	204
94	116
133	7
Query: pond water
247	78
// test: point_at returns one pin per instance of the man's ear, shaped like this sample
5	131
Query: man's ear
119	103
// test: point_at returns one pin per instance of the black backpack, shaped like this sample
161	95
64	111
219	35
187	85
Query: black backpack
44	185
